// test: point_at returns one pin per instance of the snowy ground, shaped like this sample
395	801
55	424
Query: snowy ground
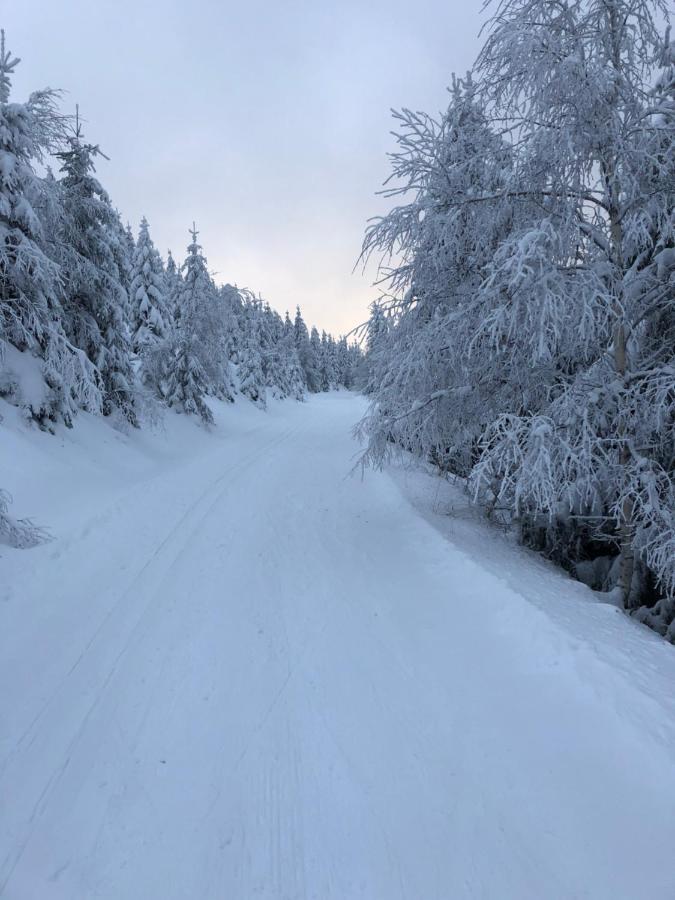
239	673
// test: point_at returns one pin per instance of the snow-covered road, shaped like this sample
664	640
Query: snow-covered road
248	675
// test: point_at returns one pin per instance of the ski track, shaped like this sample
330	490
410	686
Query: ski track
289	685
185	529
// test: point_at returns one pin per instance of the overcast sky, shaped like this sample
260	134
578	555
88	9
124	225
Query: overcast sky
268	123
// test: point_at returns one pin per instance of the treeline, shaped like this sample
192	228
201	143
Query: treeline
527	341
106	324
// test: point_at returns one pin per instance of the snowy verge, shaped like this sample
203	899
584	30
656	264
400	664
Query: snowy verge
65	479
112	501
621	661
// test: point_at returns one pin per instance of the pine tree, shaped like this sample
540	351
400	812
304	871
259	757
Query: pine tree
312	364
150	319
307	353
28	279
27	286
130	240
327	362
251	375
94	297
173	278
344	364
293	374
187	382
30	311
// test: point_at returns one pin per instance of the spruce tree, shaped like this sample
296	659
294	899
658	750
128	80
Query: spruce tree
313	362
306	353
150	318
187	383
28	283
252	381
28	307
94	297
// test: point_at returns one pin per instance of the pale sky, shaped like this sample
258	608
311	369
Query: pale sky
267	123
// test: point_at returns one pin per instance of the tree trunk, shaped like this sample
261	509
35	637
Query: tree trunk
626	550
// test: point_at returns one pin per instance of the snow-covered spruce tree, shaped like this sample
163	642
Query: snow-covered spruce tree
293	374
123	255
289	330
30	313
28	309
343	364
572	81
172	278
71	380
92	257
377	356
149	307
269	329
307	353
232	304
27	286
314	361
187	382
327	363
289	377
279	359
217	333
250	369
130	240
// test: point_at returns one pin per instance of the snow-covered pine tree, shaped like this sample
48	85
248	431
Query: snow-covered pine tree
343	364
294	376
91	255
268	330
288	376
306	353
187	382
377	357
231	299
172	277
313	362
217	330
327	364
250	368
149	307
27	286
28	306
130	240
30	313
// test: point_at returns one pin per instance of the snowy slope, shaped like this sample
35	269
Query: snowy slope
238	672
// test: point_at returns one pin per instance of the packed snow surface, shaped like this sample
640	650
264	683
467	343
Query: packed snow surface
240	672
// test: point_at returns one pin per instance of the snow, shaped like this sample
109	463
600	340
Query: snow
25	371
239	671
